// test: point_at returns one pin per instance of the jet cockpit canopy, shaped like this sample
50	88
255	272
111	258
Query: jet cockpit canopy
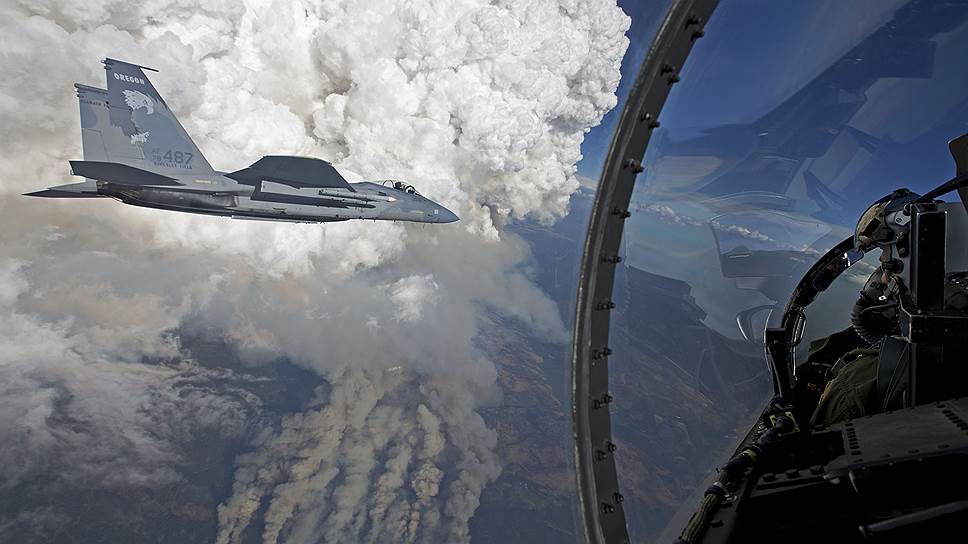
401	186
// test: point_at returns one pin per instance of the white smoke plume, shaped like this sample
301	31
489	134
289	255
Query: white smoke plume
481	105
69	400
366	465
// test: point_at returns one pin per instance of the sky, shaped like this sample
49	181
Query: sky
646	17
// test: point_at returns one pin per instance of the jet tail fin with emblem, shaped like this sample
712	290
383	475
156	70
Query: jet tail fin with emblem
132	124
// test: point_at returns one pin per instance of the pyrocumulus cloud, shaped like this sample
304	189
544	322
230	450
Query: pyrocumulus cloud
481	105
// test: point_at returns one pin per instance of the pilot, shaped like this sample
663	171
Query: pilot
849	362
863	367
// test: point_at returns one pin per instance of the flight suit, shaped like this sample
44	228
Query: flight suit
851	391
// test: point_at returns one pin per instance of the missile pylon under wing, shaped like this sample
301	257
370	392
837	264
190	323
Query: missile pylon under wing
136	151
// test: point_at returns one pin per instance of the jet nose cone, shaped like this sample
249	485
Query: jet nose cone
447	216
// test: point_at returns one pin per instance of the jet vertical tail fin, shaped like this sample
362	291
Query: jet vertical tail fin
144	132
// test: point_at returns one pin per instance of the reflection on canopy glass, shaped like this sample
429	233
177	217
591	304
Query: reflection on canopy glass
789	121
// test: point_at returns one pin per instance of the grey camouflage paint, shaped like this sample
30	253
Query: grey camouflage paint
137	152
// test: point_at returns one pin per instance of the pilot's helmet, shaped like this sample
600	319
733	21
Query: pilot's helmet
873	228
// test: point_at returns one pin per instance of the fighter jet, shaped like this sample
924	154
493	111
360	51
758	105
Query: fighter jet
137	152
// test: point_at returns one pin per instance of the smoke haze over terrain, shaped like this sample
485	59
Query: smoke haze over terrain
482	107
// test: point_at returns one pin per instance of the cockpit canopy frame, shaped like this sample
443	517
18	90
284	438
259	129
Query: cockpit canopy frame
400	186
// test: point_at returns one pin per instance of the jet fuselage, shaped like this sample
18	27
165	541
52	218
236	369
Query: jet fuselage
136	151
275	201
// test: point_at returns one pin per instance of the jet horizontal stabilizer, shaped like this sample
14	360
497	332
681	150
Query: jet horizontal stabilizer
59	193
120	174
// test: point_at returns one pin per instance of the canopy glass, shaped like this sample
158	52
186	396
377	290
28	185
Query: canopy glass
789	120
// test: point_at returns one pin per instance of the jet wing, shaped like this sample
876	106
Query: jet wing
121	174
292	171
